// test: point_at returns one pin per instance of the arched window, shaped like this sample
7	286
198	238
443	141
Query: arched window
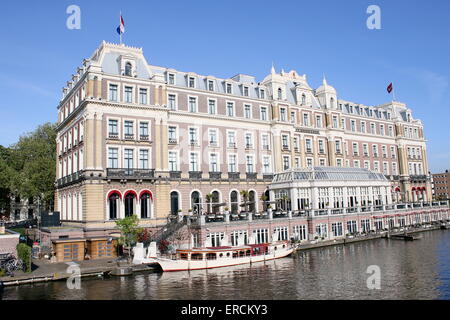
234	202
215	201
174	202
280	94
146	205
113	201
252	201
195	202
128	69
266	199
332	103
303	99
129	204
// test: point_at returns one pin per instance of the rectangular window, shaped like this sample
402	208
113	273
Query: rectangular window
319	121
230	109
212	137
143	129
285	142
265	142
262	94
143	159
213	167
193	135
321	147
286	163
192	104
193	162
212	106
231	139
172	134
247	111
293	120
172	102
113	158
143	96
173	163
128	158
113	92
338	146
245	91
335	122
306	120
266	164
128	94
308	145
128	128
249	162
232	163
282	114
248	140
263	113
113	127
353	125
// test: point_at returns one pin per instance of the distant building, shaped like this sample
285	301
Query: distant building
441	185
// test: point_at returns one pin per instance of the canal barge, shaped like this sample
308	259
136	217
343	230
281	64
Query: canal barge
218	257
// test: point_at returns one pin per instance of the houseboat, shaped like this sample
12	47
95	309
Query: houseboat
218	257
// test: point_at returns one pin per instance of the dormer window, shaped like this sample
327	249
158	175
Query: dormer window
303	99
171	78
245	91
210	85
280	94
229	88
332	103
128	69
191	82
262	94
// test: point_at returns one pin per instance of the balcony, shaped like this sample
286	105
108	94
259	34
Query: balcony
308	150
130	173
215	175
266	147
267	176
248	146
252	176
129	136
234	176
175	174
420	177
213	144
70	179
193	143
232	145
144	138
173	141
113	135
195	175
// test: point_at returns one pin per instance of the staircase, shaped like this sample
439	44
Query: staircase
168	230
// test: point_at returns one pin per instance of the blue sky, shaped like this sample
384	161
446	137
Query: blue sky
223	38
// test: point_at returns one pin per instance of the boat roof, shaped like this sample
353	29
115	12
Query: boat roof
223	248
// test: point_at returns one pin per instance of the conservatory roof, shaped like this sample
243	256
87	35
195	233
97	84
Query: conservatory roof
328	173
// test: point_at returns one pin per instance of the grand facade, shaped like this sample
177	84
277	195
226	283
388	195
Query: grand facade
134	138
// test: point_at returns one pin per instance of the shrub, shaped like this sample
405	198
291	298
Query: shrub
24	254
2	273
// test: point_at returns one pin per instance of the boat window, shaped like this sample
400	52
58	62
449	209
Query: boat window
248	253
235	254
275	248
228	254
241	253
183	256
221	255
196	256
211	256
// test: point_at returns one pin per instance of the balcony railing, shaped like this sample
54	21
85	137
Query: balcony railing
196	175
234	176
130	173
252	176
175	174
129	136
215	175
268	176
173	141
70	179
418	177
144	137
113	135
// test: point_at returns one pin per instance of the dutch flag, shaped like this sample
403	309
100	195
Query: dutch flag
121	27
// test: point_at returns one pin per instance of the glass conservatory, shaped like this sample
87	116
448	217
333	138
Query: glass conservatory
329	188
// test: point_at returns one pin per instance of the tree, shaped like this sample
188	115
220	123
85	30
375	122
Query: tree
129	230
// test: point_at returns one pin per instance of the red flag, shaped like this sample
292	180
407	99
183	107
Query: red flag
390	88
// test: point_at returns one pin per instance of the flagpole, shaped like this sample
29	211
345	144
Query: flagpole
120	23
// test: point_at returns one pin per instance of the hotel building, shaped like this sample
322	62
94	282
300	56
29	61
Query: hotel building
135	138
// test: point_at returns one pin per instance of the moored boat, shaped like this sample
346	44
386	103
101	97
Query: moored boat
209	258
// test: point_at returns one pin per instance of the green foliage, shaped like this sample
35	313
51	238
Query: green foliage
2	273
24	254
129	229
28	167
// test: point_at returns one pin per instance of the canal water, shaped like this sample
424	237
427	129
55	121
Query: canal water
408	270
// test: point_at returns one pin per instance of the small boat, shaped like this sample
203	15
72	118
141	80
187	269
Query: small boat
218	257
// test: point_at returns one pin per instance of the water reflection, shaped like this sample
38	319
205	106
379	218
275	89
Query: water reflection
409	270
